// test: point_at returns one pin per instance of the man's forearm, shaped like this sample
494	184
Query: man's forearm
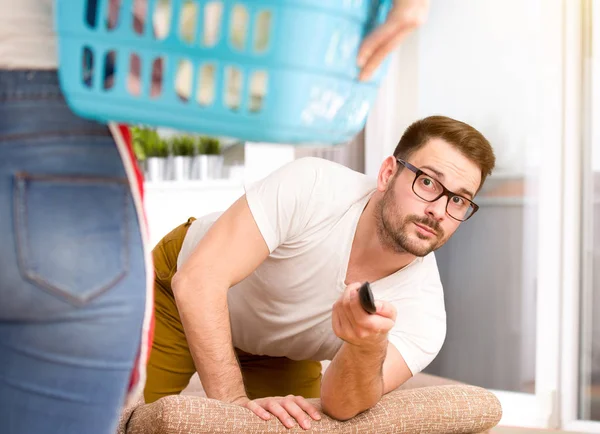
353	382
205	317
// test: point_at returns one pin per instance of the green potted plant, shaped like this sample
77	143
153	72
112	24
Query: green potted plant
139	146
183	148
210	158
155	151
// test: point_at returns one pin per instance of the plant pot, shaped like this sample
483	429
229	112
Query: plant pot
209	166
158	169
182	167
195	168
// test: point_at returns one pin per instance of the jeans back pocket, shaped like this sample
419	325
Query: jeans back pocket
72	233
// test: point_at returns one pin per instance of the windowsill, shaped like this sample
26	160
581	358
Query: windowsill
209	184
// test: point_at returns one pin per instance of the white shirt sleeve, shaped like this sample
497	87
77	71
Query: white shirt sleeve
281	202
420	328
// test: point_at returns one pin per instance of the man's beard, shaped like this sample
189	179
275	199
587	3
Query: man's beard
395	234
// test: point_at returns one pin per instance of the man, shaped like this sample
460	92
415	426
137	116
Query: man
270	286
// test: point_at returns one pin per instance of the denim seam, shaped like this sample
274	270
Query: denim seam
30	352
31	97
20	229
50	134
72	179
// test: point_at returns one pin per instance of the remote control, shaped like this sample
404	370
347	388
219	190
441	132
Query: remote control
365	295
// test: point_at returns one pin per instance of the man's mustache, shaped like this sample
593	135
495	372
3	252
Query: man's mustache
429	223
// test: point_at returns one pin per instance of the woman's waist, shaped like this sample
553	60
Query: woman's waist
31	103
23	84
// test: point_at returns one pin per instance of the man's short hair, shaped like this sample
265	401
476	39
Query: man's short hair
470	142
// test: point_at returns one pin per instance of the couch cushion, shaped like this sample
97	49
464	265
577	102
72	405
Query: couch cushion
436	409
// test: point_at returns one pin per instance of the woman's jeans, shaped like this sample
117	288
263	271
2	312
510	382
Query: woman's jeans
72	271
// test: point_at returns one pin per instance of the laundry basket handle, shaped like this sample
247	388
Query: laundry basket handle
383	10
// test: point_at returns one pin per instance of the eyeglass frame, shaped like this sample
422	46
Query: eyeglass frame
445	192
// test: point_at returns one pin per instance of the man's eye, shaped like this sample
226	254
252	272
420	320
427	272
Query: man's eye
427	182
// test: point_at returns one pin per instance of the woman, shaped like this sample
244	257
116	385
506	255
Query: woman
74	322
73	263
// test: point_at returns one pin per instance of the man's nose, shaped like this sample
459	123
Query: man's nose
437	209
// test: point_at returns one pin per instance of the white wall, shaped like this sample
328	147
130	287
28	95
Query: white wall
169	204
478	61
595	99
486	72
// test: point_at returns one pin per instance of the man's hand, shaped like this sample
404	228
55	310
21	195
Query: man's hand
357	327
404	17
354	380
289	409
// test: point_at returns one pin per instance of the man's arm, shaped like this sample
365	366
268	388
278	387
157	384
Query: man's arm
356	379
231	250
367	366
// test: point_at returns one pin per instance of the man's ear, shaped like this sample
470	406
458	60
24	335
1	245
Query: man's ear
386	173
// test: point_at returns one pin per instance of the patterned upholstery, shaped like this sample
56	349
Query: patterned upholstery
425	404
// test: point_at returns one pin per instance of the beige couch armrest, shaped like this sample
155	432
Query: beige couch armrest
428	380
437	409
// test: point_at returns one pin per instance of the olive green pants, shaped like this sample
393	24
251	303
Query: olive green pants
171	366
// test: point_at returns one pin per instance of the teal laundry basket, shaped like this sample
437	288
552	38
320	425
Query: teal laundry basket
279	71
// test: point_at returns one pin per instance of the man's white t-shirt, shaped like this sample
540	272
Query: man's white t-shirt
307	213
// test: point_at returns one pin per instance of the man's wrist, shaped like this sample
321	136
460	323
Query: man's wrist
226	386
369	347
238	400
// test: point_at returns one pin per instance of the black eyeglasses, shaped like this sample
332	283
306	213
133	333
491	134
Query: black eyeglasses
430	189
